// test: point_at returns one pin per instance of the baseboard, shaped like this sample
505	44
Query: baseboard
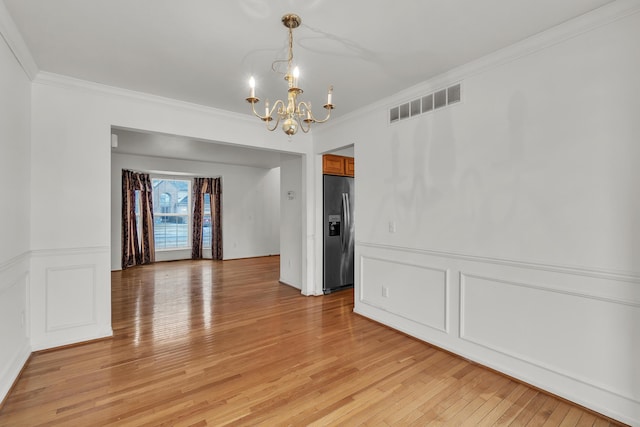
250	257
12	373
38	346
288	284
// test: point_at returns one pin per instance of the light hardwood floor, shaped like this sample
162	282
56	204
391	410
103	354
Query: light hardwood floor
212	343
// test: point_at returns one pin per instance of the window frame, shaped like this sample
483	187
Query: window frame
157	207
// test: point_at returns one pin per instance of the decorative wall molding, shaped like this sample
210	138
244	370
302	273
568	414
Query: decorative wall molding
16	43
50	290
622	276
12	262
70	251
444	327
10	372
551	289
70	296
530	360
14	315
62	81
14	271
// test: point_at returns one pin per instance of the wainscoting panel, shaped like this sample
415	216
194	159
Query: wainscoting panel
65	286
571	331
389	283
70	296
554	330
14	312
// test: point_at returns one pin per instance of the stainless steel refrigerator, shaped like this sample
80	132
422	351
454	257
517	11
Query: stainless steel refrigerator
338	233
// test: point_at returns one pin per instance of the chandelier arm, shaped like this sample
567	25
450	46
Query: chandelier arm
302	123
275	125
277	109
310	117
279	103
253	108
269	116
326	118
303	104
305	110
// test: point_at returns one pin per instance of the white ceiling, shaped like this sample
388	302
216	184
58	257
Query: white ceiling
204	51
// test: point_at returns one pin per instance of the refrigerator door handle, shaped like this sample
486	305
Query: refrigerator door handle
342	220
347	214
346	221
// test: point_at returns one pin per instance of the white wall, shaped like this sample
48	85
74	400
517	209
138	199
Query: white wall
252	217
15	105
250	205
291	221
517	236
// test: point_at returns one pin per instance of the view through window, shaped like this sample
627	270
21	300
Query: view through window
171	213
206	222
138	209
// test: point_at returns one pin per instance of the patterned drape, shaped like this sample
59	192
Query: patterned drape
213	187
134	253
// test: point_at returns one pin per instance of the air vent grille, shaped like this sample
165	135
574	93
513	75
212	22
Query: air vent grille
426	103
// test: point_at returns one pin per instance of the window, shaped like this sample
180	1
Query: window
165	203
206	222
171	202
138	209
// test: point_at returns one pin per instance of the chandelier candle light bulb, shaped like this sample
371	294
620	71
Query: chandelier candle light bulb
296	74
292	113
252	85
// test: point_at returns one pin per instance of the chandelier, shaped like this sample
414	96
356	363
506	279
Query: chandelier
293	114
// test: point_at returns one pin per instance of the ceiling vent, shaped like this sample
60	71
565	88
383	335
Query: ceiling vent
433	101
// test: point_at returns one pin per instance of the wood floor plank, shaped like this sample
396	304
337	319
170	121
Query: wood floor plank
586	420
530	410
544	412
558	414
201	343
490	404
572	418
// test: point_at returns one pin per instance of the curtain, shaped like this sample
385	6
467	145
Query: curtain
133	252
213	187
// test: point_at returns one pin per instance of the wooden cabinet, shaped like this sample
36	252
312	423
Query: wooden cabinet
333	165
338	165
350	166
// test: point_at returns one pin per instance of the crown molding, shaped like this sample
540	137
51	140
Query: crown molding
16	43
607	14
66	82
590	21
